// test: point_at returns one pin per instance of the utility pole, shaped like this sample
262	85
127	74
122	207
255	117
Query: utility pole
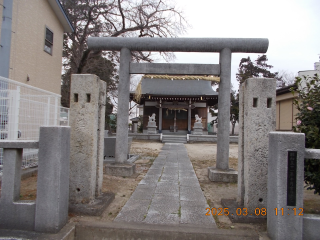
5	41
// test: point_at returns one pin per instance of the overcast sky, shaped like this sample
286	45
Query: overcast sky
292	27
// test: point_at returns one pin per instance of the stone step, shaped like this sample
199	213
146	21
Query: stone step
174	139
113	230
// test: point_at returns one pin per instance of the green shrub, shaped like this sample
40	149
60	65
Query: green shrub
308	122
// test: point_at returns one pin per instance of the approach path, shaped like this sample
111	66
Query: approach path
170	193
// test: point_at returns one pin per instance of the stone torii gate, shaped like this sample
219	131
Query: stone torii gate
224	46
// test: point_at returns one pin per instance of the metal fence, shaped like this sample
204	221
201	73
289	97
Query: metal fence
23	109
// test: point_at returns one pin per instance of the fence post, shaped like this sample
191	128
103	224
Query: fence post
53	179
56	112
285	185
13	115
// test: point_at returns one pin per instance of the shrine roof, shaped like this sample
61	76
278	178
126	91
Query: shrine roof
168	87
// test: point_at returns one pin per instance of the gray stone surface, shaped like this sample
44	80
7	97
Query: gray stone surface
152	127
312	153
110	146
50	213
169	193
15	214
100	135
133	211
66	233
195	213
121	230
145	136
120	169
217	175
224	110
143	192
311	223
86	156
123	106
177	68
286	226
241	217
19	144
53	179
95	207
197	129
258	119
247	45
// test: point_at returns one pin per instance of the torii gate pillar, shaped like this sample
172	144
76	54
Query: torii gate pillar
225	46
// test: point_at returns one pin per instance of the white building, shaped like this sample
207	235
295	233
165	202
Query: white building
311	73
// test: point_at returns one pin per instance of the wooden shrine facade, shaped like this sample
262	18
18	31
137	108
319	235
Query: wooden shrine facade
175	103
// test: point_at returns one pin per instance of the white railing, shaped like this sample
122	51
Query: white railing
23	109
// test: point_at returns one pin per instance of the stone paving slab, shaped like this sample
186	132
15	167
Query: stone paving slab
189	182
155	172
195	213
150	180
133	211
165	187
144	192
170	193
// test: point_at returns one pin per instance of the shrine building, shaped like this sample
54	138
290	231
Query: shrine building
175	100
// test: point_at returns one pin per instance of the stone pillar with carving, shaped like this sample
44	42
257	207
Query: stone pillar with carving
152	127
197	128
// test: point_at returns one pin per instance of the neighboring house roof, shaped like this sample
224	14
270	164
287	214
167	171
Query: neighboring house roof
285	89
61	14
177	87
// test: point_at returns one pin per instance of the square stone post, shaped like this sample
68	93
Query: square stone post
53	179
87	136
224	110
121	167
257	118
100	135
285	172
189	117
240	198
123	107
160	117
222	171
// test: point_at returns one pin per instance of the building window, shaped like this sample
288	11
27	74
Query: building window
48	43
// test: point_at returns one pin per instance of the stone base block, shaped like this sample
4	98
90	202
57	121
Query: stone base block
122	170
152	130
240	214
93	209
197	131
66	233
152	124
218	175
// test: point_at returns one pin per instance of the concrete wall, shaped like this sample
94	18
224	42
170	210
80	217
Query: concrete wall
30	19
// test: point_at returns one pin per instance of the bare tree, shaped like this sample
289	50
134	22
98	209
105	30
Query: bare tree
286	78
113	18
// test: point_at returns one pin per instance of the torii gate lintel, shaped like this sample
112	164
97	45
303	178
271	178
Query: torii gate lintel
225	46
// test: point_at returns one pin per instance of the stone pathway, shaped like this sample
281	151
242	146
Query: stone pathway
170	193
